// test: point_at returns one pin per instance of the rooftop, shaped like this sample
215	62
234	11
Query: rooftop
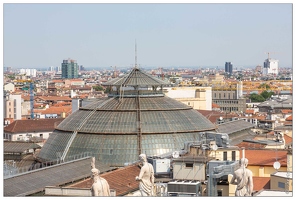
36	125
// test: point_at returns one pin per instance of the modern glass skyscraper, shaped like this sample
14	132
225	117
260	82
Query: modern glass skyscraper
69	69
228	67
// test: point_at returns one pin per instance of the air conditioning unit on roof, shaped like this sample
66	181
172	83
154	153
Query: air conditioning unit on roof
180	188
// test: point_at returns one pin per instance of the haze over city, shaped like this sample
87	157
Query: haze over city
104	35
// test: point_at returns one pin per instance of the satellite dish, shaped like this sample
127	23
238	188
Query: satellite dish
276	165
214	147
176	154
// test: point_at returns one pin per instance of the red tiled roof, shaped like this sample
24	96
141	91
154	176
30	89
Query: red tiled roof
251	145
214	115
288	139
214	105
266	157
54	98
290	118
250	111
57	81
55	110
23	126
122	180
286	111
260	183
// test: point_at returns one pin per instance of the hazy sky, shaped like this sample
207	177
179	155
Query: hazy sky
174	34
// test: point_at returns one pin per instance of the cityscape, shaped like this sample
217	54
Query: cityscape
79	127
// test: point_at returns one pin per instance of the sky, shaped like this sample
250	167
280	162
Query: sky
166	34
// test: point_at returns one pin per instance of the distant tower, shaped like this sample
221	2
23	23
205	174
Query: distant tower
228	67
69	69
271	66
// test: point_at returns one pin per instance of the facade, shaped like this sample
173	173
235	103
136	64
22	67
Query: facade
228	67
135	118
26	130
69	69
197	97
229	98
271	66
29	72
12	106
9	87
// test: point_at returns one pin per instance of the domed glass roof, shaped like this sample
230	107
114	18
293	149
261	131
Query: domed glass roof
135	118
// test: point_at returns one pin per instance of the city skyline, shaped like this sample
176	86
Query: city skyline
193	34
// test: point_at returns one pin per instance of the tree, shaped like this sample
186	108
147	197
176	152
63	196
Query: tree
266	94
257	98
98	88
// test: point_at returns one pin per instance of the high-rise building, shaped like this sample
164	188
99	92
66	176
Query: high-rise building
58	69
228	67
28	72
51	68
271	66
69	69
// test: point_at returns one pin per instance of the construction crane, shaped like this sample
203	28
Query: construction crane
32	99
268	53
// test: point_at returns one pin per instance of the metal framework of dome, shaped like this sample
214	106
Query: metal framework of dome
136	78
135	118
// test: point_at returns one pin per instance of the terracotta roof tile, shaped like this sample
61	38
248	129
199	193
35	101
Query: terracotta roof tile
57	81
122	180
23	126
261	183
214	115
266	157
251	145
290	118
214	105
54	110
288	139
55	98
286	111
250	111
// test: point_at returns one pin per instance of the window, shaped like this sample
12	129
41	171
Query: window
189	165
219	193
281	185
225	155
233	155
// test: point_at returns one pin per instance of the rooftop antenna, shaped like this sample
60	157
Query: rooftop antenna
136	54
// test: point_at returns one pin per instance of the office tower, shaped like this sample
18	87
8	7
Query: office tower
228	67
69	69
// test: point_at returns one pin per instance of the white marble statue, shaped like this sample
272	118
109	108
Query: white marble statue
146	177
243	178
100	186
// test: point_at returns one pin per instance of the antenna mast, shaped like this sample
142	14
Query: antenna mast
136	54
